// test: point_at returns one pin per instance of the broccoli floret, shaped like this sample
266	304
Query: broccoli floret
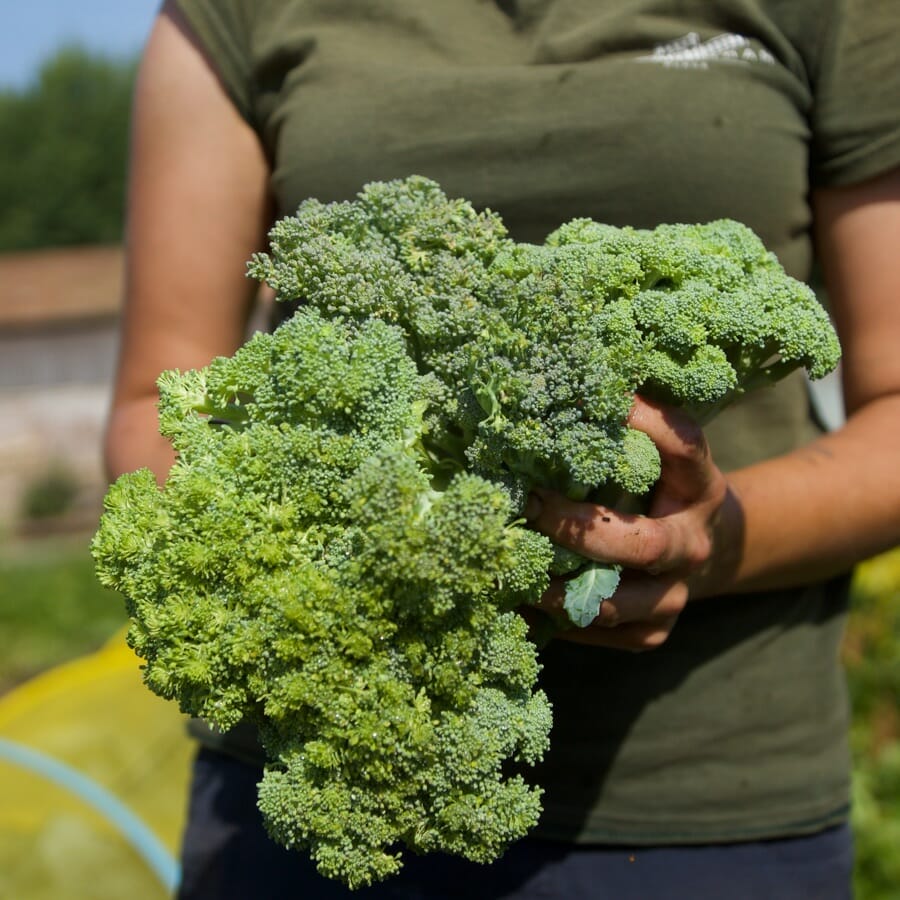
338	552
717	313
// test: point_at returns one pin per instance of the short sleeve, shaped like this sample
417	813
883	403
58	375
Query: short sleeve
856	106
222	29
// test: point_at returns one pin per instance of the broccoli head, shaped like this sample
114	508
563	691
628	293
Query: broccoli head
338	552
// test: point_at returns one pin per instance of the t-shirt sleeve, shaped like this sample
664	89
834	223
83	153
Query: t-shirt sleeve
223	31
856	107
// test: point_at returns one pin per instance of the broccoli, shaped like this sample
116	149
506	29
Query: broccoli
301	572
536	352
338	552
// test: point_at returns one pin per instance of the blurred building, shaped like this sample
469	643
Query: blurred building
58	336
59	317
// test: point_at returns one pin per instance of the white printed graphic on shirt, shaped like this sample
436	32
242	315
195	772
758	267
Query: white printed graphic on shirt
689	52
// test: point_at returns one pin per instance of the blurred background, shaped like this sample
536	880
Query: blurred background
93	768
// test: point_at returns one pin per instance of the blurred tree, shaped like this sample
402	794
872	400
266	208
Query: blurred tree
63	148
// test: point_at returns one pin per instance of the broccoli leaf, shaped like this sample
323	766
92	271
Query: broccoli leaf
587	590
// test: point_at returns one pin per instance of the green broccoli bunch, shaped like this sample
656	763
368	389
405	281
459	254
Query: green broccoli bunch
535	352
338	552
299	571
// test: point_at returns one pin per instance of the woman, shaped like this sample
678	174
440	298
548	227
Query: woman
715	764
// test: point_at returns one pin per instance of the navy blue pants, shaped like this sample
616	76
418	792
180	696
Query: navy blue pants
228	856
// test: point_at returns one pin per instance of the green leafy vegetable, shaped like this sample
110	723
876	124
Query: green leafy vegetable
338	553
587	590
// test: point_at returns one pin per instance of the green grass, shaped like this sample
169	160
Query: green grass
872	655
52	608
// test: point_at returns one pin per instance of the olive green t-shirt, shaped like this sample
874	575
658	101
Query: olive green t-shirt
631	112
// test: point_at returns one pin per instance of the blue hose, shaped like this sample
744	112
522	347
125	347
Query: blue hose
107	804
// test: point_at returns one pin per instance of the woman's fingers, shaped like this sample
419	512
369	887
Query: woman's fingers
639	598
603	534
688	472
597	532
637	637
638	617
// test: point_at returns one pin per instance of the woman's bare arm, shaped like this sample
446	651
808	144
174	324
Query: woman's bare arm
827	506
198	206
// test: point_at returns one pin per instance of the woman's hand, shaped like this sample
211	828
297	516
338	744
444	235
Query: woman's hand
666	554
791	520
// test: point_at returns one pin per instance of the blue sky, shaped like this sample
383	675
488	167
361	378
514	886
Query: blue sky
31	30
